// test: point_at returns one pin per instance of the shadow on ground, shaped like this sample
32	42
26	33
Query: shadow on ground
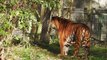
96	53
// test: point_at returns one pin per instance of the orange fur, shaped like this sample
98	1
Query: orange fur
66	28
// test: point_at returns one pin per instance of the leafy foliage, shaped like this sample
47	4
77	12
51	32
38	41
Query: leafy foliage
21	14
5	25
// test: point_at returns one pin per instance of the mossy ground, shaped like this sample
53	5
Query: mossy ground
50	53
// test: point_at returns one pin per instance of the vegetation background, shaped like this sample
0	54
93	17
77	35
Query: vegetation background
24	28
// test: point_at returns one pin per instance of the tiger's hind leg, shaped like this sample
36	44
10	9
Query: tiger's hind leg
86	48
76	49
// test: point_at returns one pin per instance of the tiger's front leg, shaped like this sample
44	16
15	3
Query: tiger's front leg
61	47
64	47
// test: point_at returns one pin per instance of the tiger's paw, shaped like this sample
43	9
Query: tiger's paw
72	56
59	54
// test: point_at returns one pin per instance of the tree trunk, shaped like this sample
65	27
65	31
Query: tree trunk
60	9
45	17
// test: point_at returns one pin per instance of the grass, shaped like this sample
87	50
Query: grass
38	53
49	52
98	53
30	53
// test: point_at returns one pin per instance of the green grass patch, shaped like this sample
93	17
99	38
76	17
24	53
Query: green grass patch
50	52
32	53
98	53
